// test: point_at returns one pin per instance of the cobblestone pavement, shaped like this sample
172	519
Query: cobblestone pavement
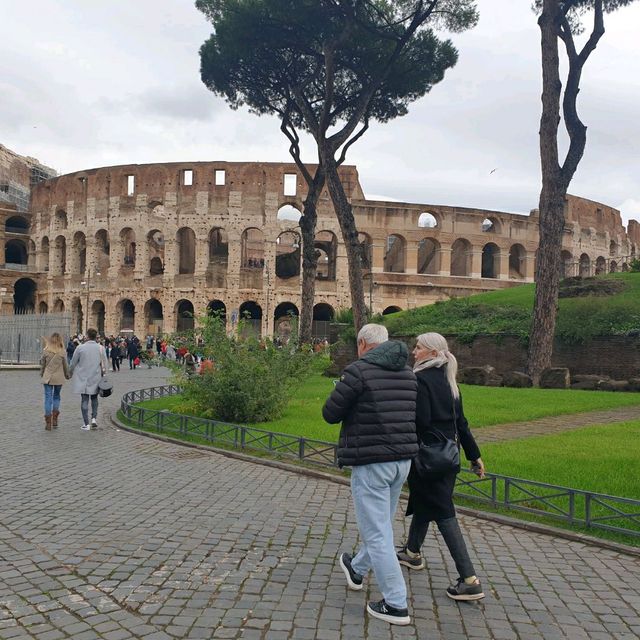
554	424
111	535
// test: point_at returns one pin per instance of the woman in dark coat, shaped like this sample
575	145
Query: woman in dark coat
439	408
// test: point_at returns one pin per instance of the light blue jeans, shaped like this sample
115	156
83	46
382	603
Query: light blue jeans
376	489
51	398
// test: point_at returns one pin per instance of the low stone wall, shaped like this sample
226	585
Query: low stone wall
617	357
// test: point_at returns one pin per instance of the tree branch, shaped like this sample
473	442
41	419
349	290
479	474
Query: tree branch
354	139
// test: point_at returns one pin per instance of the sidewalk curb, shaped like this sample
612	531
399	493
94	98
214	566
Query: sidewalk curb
570	536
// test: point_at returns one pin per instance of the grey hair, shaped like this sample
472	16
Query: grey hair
438	343
373	333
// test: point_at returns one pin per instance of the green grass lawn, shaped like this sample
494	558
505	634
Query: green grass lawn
484	406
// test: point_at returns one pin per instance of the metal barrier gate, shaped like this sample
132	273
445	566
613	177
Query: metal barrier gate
21	335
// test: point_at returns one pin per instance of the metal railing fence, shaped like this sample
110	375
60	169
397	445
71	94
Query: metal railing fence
572	506
21	335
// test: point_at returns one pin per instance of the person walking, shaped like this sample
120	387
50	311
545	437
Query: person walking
115	356
440	413
375	399
54	371
71	347
133	352
87	367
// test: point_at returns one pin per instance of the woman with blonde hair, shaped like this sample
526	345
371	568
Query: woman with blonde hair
54	371
439	415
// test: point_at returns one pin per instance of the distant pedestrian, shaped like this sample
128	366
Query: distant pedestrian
115	356
71	347
375	399
54	371
133	351
439	414
87	367
190	362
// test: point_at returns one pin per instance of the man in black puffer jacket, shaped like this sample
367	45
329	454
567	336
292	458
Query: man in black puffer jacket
375	399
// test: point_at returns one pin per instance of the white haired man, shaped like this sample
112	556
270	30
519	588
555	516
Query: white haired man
375	399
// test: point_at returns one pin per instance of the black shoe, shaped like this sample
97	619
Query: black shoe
410	559
463	591
388	613
354	580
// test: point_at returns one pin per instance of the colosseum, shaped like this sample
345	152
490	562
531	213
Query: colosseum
148	248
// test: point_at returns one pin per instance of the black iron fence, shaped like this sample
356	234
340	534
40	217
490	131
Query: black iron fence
573	506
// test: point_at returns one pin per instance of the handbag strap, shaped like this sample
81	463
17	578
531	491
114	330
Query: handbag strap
455	417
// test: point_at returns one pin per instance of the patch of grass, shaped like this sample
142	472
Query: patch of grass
509	311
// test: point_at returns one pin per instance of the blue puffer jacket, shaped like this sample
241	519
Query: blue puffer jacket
375	400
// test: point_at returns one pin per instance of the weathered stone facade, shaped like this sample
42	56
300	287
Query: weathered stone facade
144	247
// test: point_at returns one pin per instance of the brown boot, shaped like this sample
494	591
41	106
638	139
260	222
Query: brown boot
54	418
47	423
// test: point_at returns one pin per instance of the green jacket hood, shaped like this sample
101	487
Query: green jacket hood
390	355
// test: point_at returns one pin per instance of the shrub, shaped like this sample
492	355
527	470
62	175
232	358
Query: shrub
251	380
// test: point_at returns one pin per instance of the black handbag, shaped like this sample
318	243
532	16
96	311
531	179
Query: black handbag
440	457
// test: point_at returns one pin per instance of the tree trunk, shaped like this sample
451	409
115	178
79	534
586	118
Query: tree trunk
344	213
552	195
309	258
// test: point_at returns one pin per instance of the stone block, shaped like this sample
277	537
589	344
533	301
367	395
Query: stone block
555	378
516	379
484	376
614	385
587	382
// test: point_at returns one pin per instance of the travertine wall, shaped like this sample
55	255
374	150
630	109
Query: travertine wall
141	246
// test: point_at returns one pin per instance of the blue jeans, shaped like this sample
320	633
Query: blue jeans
84	406
376	489
51	398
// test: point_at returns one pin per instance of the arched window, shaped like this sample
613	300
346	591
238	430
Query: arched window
15	253
326	247
250	319
252	248
585	266
59	265
613	266
24	296
394	258
185	317
128	239
154	316
517	262
103	250
77	316
566	264
490	225
427	220
461	258
43	307
218	247
16	224
490	260
366	248
217	308
186	240
323	315
60	220
288	213
601	265
97	316
127	312
58	306
79	252
428	256
392	309
284	319
288	255
44	255
155	245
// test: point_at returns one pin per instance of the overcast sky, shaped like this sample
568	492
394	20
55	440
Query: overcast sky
96	83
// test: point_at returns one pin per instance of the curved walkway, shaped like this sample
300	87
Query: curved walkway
110	535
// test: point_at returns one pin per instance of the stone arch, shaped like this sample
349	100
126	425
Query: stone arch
429	256
427	220
98	314
16	252
252	248
186	245
43	307
585	266
601	265
366	250
613	266
79	252
517	261
59	265
218	247
391	309
289	213
127	313
461	253
395	254
44	254
325	245
61	221
283	315
58	306
250	314
103	250
217	307
155	245
288	255
16	224
185	315
128	240
323	315
490	260
77	315
154	316
566	264
491	225
24	295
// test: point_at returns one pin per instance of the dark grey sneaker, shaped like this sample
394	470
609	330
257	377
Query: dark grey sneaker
462	591
354	580
409	559
389	614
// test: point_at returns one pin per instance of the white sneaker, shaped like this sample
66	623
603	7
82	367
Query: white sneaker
94	423
86	427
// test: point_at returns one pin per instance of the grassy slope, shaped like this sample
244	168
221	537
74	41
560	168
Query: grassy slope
509	310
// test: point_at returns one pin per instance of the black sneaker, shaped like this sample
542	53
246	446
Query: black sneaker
354	580
410	559
388	613
463	591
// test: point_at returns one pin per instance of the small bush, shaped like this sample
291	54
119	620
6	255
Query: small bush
251	380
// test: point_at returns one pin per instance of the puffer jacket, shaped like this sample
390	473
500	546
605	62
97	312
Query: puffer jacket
375	400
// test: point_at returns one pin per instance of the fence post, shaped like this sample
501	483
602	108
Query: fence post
587	509
494	489
243	437
507	486
19	346
301	449
572	506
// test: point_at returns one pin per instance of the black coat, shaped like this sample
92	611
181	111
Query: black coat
375	400
433	497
